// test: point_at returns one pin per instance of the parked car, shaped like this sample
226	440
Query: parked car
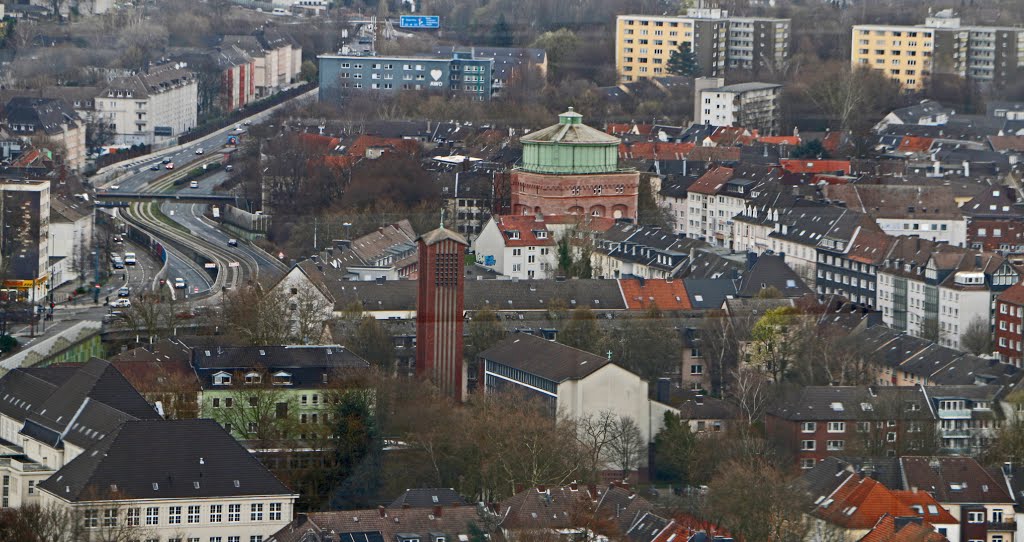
179	283
193	184
122	303
123	291
129	258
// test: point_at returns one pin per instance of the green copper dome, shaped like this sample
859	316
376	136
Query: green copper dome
570	147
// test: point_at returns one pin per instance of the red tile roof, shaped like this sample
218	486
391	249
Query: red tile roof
780	140
364	142
1014	294
931	510
655	151
910	531
618	128
832	141
794	165
599	224
859	502
733	135
1007	143
317	139
870	247
915	144
642	294
715	154
712	181
529	229
644	129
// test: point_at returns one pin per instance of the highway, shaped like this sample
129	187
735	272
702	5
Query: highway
193	231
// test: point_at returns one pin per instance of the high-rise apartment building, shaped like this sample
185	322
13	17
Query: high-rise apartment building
644	43
913	54
24	252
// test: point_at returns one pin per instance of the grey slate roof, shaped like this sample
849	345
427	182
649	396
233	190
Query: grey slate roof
771	271
546	359
428	497
851	403
164	459
709	293
48	115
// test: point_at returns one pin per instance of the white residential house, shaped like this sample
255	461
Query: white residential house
150	108
520	247
753	106
71	230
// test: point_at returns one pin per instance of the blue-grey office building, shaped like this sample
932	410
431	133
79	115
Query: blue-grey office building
457	74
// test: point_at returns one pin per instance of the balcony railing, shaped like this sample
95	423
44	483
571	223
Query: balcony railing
1002	526
953	414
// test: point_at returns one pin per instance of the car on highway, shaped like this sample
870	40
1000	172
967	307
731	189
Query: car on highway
229	167
117	262
169	165
129	258
179	283
199	150
193	184
123	291
113	316
122	303
247	123
166	160
154	167
118	239
232	242
113	187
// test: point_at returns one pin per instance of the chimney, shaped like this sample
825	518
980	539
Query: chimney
751	259
382	512
977	261
438	511
664	390
699	399
1007	469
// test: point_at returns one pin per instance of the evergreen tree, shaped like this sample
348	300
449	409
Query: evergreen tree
683	61
673	447
501	34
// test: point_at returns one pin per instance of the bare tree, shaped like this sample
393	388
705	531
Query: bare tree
751	391
977	337
626	445
310	311
595	434
258	317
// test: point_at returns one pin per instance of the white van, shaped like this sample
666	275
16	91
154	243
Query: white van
129	258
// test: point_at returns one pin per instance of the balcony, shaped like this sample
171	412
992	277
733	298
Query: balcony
955	414
1007	526
955	433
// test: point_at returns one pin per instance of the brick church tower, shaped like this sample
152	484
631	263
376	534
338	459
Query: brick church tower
439	311
571	168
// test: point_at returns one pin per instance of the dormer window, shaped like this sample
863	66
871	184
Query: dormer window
282	379
222	379
253	378
541	234
513	234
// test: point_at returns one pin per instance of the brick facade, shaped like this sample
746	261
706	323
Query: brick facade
439	311
1009	324
612	195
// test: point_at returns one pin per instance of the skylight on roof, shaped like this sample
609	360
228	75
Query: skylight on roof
837	406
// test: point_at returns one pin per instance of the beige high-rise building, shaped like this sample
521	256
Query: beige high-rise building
912	55
644	43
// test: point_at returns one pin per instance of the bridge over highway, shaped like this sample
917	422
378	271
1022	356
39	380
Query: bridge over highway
111	198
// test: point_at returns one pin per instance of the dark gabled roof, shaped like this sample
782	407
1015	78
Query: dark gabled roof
953	480
546	359
386	525
914	113
50	115
771	271
428	497
276	357
839	403
544	508
647	528
622	506
164	459
709	293
79	403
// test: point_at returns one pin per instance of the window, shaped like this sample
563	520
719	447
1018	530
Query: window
152	515
256	538
110	517
808	445
31	487
696	369
234	539
275	511
975	517
836	427
234	513
215	512
91	519
835	445
216	402
256	512
809	427
193	514
997	515
174	515
132	517
806	463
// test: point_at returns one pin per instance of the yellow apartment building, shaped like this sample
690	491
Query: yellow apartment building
903	53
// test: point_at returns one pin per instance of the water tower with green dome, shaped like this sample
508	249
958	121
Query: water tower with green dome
572	168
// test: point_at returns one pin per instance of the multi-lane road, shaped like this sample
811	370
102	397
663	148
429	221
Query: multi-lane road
194	231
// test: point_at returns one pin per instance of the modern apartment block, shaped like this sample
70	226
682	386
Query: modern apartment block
753	106
644	43
152	107
912	54
460	73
